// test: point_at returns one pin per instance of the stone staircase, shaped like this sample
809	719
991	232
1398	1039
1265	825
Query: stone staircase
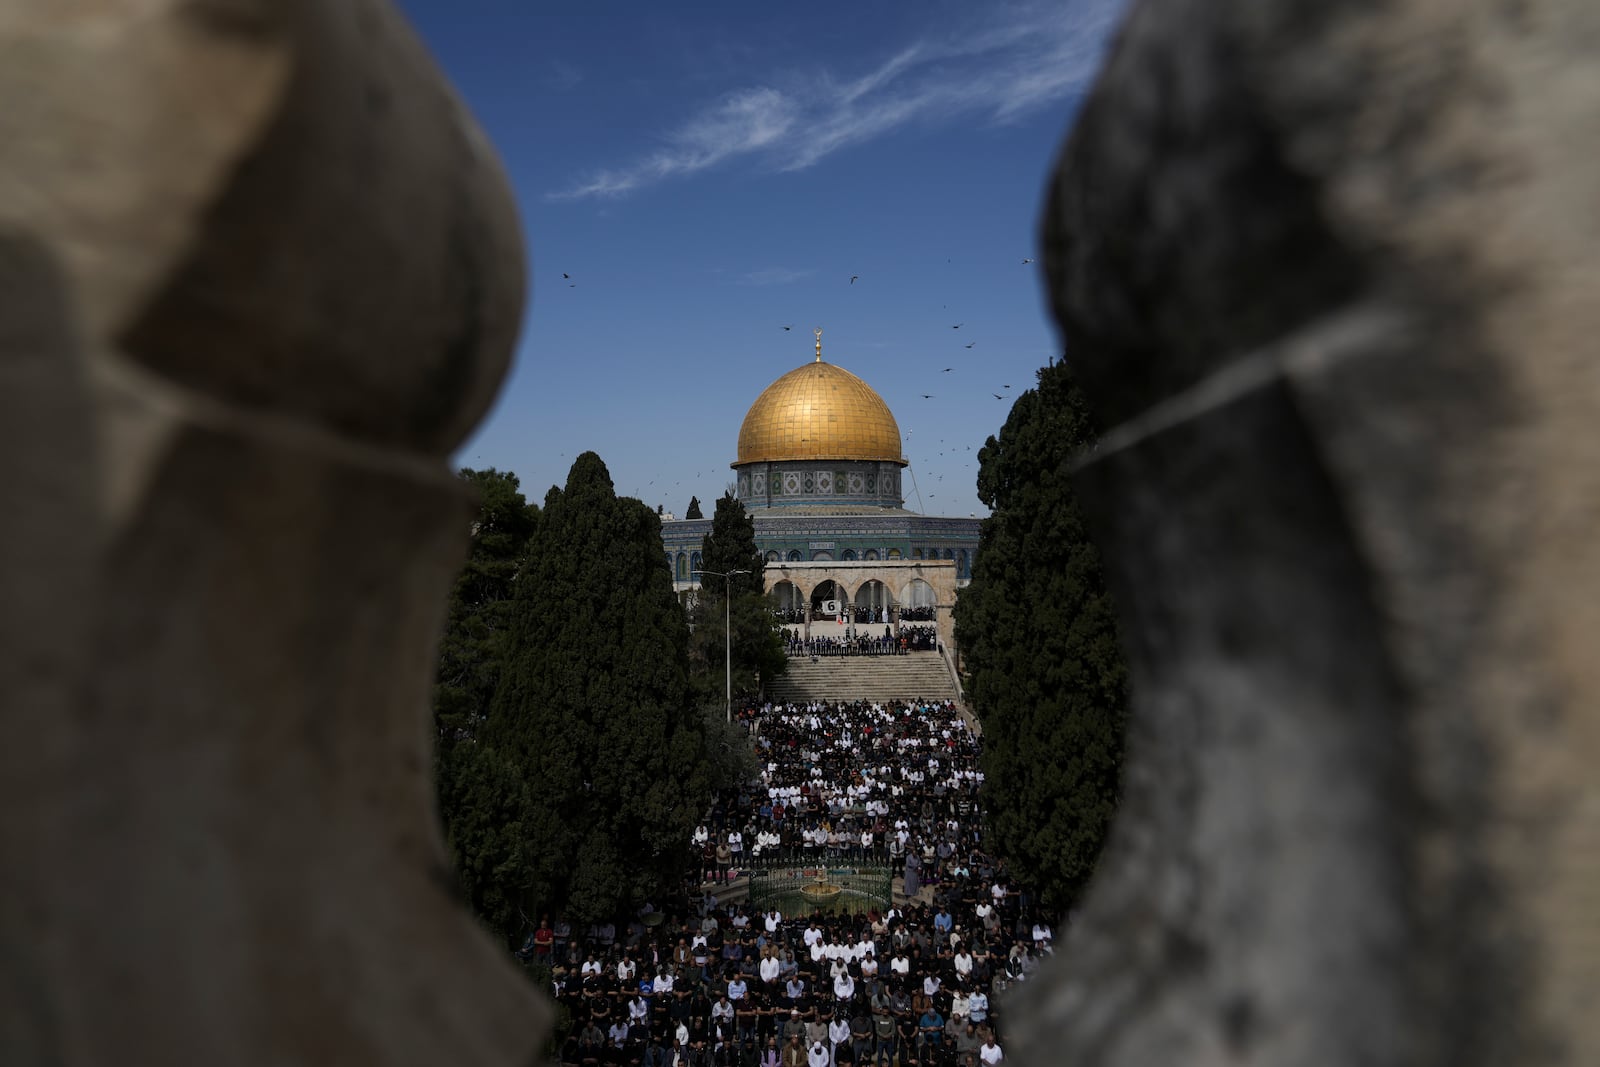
879	678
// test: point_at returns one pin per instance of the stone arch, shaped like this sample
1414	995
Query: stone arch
918	594
827	589
872	593
786	595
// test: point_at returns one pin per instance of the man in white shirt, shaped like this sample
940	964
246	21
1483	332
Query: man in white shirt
838	1034
844	988
990	1053
819	1055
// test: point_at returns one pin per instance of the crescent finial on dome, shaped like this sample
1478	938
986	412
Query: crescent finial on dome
818	332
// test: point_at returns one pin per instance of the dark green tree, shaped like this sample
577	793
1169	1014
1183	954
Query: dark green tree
482	800
757	646
694	509
593	704
480	605
1046	676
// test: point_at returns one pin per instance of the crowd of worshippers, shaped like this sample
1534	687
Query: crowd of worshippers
925	613
865	643
895	784
902	989
861	615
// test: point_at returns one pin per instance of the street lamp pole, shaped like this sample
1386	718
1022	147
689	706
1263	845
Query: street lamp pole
727	635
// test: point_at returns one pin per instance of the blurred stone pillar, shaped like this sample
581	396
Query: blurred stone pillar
1331	276
261	275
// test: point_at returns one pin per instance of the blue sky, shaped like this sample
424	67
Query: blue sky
709	173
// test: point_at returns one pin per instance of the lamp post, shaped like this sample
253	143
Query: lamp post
727	632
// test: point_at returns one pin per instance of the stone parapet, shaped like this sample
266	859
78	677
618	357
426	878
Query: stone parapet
260	275
1328	275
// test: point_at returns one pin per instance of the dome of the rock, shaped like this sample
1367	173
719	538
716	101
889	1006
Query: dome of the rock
819	411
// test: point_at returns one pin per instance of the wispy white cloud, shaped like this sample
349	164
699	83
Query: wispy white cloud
999	71
776	276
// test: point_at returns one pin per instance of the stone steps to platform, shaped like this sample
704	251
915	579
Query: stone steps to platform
914	676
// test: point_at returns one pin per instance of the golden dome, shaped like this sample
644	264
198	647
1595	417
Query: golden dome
819	411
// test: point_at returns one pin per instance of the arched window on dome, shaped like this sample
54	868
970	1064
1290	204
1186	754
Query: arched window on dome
683	567
916	553
948	554
695	563
848	555
894	553
870	555
963	564
794	555
773	557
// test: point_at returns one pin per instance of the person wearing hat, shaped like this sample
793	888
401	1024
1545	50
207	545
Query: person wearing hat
818	1055
794	1053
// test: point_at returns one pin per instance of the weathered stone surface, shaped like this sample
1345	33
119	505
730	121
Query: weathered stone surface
1328	273
258	274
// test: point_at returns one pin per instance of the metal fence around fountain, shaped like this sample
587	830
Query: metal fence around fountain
833	890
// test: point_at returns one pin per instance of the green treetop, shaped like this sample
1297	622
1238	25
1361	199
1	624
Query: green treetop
593	705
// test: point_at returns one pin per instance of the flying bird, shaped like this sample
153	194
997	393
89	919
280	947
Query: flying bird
1026	262
958	326
853	278
973	343
947	370
789	327
997	396
1005	387
565	275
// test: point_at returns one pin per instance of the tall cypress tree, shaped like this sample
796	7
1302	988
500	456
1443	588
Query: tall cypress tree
1047	678
482	799
757	651
593	705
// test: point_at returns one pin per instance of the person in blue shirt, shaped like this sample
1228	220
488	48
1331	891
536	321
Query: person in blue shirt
931	1026
737	988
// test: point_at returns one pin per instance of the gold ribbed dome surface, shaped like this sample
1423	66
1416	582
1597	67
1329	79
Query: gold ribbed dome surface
819	411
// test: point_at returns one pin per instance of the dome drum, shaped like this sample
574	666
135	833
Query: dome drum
816	482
